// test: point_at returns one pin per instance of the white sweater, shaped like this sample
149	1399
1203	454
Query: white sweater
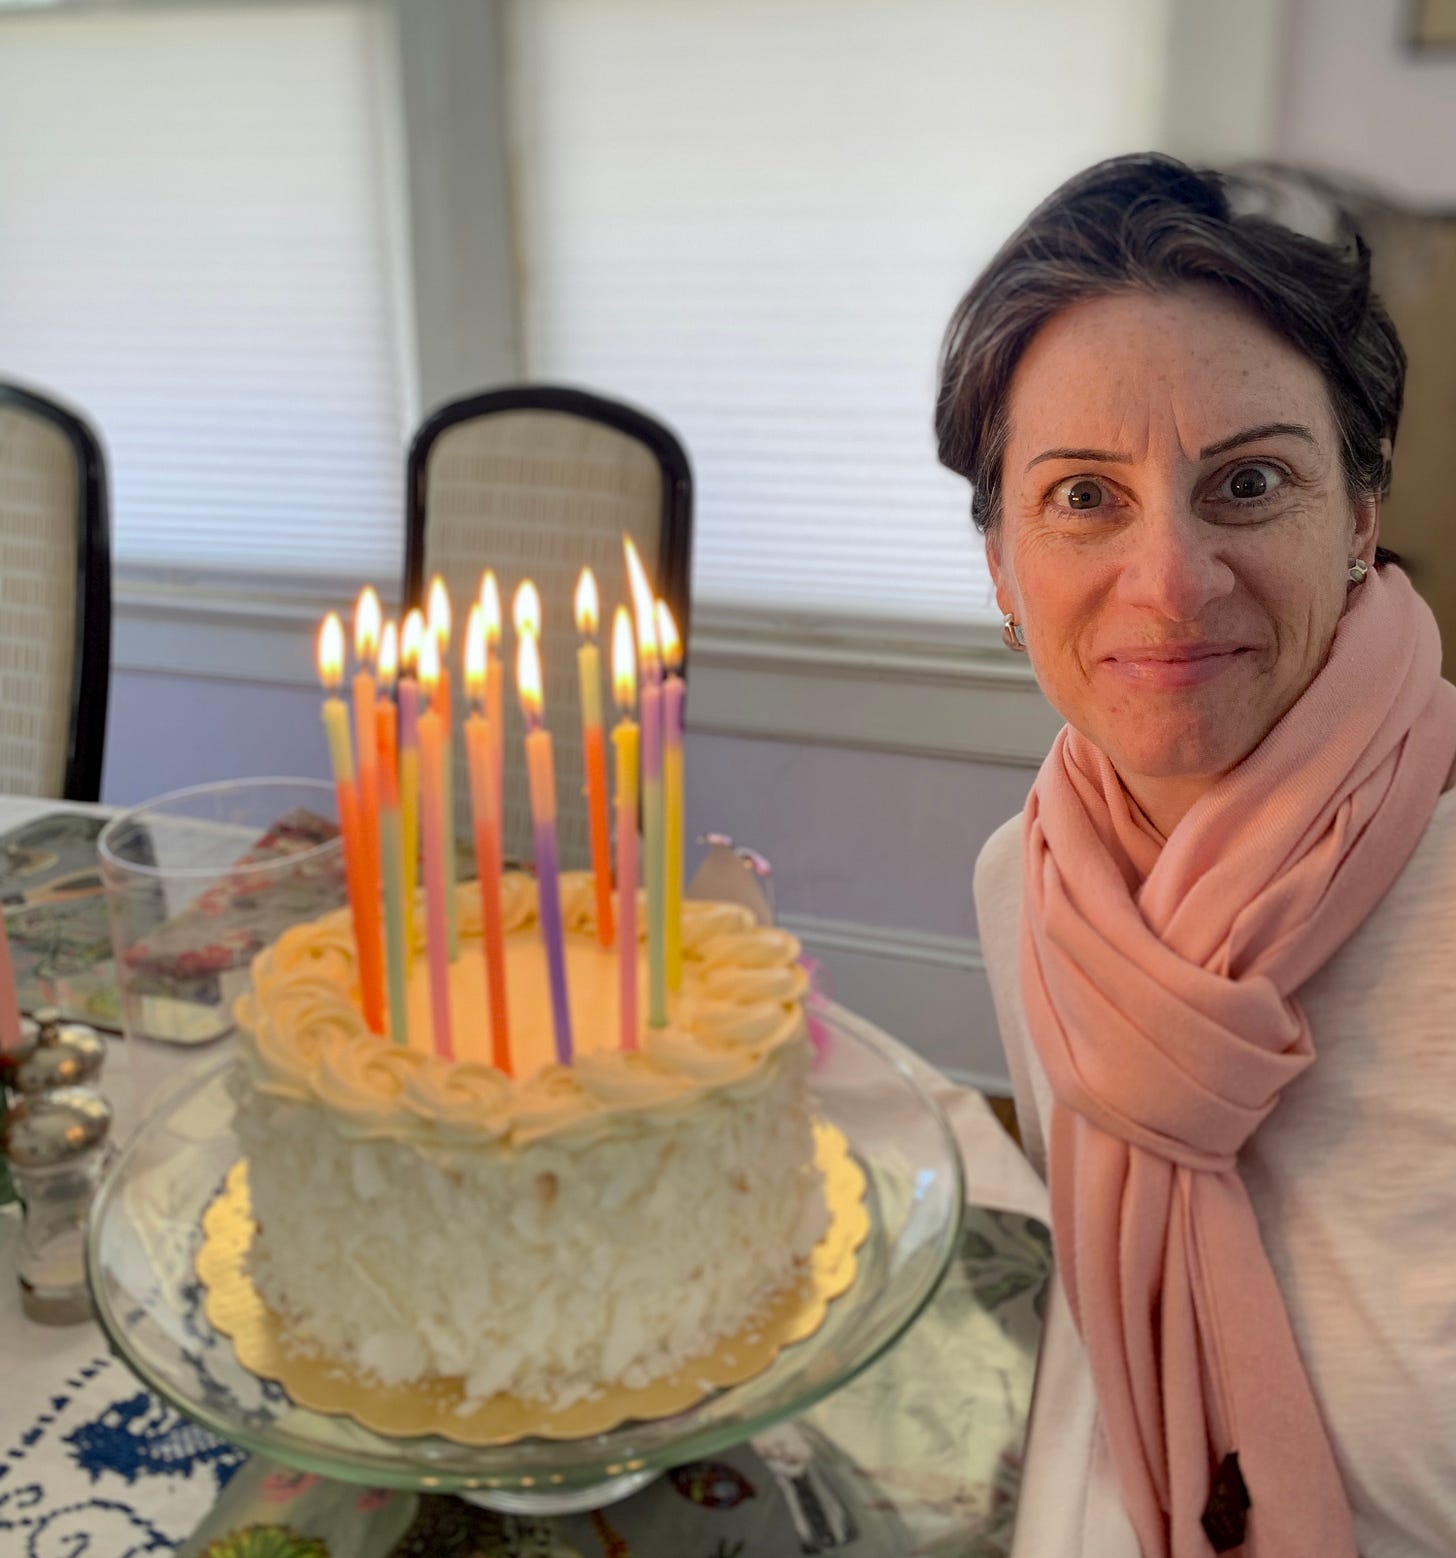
1353	1180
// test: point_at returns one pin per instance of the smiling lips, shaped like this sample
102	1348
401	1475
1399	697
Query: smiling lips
1174	665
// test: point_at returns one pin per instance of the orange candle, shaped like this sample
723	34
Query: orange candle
438	619
367	620
485	813
431	732
495	714
593	748
364	909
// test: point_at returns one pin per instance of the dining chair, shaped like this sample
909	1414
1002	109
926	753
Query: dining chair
55	599
537	481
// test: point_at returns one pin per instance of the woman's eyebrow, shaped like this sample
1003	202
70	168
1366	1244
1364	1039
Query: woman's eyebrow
1264	430
1249	434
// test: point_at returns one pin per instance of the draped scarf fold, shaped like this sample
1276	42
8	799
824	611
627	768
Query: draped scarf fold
1160	983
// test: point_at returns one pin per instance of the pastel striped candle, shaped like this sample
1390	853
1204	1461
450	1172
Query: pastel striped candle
411	637
495	712
485	812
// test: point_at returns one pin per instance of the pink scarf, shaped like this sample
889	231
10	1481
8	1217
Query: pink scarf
1159	980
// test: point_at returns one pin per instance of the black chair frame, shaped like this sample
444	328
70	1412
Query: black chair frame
675	556
91	659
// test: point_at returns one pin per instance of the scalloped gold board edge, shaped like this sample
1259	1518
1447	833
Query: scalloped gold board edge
439	1406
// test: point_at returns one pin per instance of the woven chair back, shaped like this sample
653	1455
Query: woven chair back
540	492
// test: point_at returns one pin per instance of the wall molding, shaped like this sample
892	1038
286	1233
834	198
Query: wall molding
928	689
931	948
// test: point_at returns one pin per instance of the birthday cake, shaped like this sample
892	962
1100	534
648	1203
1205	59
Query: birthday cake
554	1232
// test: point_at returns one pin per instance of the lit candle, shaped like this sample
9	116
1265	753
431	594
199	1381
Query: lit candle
624	742
411	639
365	911
431	732
495	712
593	748
437	616
485	812
672	792
367	618
540	772
651	709
391	843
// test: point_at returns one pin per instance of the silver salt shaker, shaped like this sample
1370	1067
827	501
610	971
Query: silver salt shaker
57	1146
53	1054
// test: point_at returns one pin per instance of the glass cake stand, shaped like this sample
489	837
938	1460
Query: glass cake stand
145	1231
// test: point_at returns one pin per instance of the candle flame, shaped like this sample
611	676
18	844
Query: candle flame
389	655
588	604
411	640
668	637
437	612
641	603
624	661
331	651
490	601
526	609
528	677
429	664
475	653
367	617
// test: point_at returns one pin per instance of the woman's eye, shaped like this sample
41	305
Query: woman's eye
1082	493
1255	480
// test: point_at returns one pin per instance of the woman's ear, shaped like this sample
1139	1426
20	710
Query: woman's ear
1005	600
1366	534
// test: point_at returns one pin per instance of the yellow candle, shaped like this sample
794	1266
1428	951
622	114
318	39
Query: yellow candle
594	760
364	910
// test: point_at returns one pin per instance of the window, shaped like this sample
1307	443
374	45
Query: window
197	247
754	220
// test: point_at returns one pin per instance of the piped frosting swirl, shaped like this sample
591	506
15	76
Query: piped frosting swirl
739	1013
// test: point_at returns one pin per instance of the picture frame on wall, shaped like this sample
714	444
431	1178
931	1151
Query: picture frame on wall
1433	25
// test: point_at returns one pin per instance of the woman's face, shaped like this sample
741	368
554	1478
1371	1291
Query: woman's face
1175	534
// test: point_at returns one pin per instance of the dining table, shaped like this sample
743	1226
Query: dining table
919	1454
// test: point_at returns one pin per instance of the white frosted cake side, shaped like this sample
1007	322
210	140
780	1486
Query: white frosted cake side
549	1234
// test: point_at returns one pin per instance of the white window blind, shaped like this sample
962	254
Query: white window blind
195	248
753	217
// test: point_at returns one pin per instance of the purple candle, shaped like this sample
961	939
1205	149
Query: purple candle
540	769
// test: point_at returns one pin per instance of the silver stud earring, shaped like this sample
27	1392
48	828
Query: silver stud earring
1357	571
1012	634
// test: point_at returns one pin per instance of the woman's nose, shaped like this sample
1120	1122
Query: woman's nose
1174	565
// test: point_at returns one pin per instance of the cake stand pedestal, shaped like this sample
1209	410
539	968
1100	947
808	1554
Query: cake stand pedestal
145	1231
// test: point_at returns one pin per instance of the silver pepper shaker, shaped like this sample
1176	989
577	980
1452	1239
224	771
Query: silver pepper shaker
56	1145
53	1054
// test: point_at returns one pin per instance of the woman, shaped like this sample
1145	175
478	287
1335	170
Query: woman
1220	935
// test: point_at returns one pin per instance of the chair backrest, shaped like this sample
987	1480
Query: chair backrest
537	481
55	599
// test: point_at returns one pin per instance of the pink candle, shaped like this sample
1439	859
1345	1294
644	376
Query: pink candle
485	814
431	732
624	741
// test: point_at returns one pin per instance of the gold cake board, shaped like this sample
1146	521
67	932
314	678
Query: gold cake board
439	1406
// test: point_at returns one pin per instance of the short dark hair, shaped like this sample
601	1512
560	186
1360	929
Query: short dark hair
1149	222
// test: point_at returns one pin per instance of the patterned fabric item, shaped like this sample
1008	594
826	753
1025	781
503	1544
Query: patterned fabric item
540	495
38	502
